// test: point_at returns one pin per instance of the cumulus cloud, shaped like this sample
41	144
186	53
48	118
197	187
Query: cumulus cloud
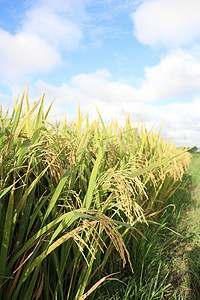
177	75
24	54
51	21
100	85
91	88
169	22
48	28
181	121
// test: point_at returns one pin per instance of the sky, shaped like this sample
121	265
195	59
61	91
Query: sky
137	57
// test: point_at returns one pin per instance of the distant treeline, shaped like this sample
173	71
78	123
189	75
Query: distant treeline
193	150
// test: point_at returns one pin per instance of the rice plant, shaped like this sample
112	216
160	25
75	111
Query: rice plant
71	198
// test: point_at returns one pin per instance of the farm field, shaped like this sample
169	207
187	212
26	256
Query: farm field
88	210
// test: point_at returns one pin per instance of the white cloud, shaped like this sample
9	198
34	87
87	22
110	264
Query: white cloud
181	121
99	85
50	20
177	75
48	29
24	54
169	22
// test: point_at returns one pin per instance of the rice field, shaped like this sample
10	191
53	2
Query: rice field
73	197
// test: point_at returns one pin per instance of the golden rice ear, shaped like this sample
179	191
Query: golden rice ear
124	192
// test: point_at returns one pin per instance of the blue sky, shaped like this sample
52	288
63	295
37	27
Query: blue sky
125	56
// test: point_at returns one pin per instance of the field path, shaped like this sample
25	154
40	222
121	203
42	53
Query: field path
186	253
194	212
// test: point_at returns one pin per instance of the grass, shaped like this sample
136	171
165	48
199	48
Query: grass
79	203
193	223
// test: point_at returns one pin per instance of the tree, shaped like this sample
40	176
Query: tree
193	150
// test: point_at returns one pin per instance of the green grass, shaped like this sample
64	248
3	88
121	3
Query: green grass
193	222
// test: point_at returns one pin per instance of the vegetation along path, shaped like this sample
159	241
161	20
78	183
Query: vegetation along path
186	253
